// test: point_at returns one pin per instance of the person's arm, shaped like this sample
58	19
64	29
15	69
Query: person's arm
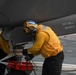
40	39
35	54
4	45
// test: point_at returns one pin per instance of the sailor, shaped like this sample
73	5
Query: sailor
47	44
5	48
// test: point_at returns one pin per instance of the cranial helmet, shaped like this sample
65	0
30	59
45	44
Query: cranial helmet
30	26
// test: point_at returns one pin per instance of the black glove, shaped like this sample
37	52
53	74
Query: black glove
24	52
29	57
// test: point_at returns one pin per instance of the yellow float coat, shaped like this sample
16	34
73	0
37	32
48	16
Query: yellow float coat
47	43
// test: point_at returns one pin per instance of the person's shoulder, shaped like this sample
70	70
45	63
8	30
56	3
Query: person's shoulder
42	33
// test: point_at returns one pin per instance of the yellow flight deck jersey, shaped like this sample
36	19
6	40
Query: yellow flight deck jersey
47	43
4	45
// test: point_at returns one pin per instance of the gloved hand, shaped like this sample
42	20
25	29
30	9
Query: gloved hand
29	57
24	52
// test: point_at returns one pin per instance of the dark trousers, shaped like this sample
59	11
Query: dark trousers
53	65
2	67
